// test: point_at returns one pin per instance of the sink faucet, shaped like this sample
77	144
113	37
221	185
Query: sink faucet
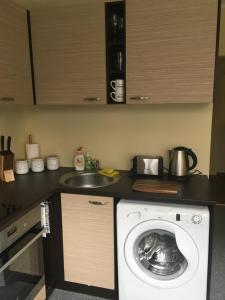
90	163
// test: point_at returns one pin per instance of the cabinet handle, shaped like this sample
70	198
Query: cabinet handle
139	98
7	99
97	203
91	99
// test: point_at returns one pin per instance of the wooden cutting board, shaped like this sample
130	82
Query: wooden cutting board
155	186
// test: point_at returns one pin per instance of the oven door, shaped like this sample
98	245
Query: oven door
22	268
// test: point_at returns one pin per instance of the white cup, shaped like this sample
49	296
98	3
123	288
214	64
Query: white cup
52	162
117	97
118	94
37	164
117	84
21	166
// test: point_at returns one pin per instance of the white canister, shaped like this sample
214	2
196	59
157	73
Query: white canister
52	162
37	164
21	166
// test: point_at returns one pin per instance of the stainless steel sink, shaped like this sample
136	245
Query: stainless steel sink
87	180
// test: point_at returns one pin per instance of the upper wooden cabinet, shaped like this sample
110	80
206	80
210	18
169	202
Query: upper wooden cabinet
170	47
69	54
15	69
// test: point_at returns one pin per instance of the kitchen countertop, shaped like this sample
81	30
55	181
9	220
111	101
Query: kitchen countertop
30	189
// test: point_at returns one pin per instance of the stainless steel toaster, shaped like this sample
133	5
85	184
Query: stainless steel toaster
148	165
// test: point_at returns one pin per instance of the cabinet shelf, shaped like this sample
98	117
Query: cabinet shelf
115	51
116	44
113	72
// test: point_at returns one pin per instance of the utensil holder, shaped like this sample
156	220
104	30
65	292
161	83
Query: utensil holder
6	164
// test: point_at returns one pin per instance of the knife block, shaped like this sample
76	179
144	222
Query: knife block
6	164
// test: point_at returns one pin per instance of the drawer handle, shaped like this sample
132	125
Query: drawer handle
92	99
139	98
97	203
7	99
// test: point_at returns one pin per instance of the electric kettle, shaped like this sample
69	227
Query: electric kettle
179	162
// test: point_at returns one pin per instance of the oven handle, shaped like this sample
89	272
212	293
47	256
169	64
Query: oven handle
11	260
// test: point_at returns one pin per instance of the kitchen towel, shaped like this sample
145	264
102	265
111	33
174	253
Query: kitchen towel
32	151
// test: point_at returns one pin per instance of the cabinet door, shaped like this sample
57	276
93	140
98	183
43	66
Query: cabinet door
53	250
88	240
15	69
69	54
41	295
170	50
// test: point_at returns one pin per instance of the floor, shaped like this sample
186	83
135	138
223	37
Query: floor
65	295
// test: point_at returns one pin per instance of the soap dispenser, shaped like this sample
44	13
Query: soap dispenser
79	161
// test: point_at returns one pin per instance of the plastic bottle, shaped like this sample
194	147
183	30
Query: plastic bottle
79	161
88	161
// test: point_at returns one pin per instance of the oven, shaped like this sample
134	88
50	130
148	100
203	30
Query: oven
21	258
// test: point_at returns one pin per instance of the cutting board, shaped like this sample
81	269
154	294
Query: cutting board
155	186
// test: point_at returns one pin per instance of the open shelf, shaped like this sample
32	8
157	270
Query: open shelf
115	52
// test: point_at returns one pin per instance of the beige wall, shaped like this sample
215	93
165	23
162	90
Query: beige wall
13	122
218	126
113	134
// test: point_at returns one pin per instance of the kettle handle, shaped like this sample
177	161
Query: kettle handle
194	159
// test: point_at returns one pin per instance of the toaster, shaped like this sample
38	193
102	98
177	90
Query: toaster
148	165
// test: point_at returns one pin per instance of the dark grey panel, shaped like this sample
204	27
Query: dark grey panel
218	259
66	295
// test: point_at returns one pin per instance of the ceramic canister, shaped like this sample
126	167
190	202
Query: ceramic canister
21	166
37	164
52	162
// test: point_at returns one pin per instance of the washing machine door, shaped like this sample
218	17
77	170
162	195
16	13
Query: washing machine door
161	254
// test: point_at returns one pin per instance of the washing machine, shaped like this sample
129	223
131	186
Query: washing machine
162	251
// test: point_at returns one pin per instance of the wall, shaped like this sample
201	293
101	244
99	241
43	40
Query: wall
115	134
13	122
112	134
217	163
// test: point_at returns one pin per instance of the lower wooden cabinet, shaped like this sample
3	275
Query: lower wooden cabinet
41	295
88	240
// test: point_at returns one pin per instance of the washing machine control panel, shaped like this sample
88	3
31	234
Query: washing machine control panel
170	216
196	219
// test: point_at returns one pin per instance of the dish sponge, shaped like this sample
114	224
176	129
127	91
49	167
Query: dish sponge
108	172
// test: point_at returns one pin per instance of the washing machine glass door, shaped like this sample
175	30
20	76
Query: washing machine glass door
157	251
161	253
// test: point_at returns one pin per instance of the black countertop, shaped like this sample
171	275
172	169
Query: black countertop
30	189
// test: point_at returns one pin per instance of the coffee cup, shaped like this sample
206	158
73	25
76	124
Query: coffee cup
117	84
117	97
118	90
